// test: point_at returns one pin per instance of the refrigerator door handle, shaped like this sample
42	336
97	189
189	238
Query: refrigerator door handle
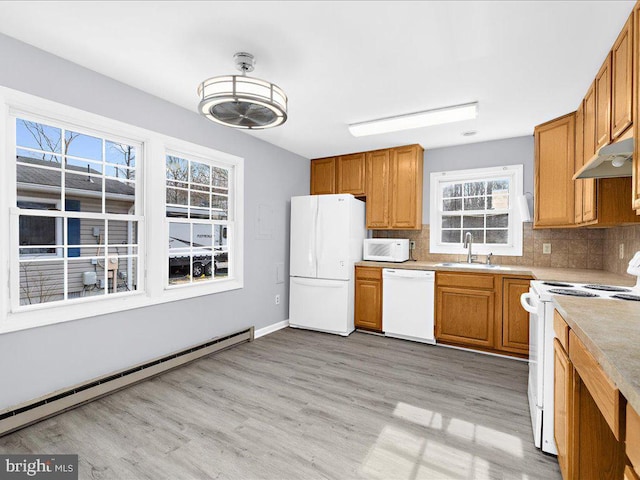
319	243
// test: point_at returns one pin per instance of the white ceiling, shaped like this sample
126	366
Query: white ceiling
345	62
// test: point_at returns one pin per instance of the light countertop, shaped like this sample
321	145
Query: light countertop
539	273
610	329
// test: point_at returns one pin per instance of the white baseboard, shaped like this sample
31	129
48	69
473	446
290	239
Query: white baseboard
261	332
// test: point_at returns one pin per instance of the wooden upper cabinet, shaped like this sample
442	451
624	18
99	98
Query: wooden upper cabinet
378	164
391	180
406	187
323	176
578	162
622	84
588	207
351	174
589	124
554	168
603	104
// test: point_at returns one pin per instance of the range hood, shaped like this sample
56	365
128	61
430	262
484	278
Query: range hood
611	161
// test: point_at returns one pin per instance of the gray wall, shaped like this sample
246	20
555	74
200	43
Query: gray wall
512	151
40	360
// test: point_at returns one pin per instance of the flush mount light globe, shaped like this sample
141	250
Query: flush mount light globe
239	101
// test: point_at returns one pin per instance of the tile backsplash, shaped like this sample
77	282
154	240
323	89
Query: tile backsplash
629	236
570	247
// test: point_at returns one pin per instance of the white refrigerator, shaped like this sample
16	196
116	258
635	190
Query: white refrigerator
327	232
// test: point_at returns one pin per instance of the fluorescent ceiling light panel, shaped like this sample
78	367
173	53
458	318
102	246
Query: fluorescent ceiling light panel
438	116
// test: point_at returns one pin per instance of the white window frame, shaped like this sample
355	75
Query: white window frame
153	274
514	245
234	209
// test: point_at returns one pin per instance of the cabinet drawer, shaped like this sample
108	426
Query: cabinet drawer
473	280
632	442
368	273
604	392
562	330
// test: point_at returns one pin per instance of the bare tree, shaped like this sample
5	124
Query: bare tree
128	157
48	143
40	291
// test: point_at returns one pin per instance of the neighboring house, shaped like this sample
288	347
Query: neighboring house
39	187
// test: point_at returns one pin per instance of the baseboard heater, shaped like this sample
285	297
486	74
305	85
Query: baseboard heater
60	401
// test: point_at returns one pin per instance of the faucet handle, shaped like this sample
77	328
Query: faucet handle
489	255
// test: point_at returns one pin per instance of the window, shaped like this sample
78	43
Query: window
77	220
481	202
76	207
198	199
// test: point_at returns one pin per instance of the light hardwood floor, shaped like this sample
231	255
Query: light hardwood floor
306	405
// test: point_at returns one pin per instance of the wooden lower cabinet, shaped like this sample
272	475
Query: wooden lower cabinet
596	454
368	298
587	446
632	439
465	316
563	395
482	311
515	319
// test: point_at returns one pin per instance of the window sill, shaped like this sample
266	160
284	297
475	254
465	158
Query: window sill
24	318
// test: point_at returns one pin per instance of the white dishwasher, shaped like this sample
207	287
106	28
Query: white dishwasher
408	304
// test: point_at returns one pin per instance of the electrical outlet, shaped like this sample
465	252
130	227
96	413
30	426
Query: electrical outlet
277	299
546	248
412	244
621	251
94	261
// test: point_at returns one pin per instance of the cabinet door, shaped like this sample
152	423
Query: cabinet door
603	104
622	85
465	316
589	150
554	165
323	176
351	178
595	453
368	298
406	187
563	395
377	169
636	124
515	319
579	162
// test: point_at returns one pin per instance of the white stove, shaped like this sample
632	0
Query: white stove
538	302
545	289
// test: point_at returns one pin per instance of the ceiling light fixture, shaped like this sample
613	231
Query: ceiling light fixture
239	101
426	118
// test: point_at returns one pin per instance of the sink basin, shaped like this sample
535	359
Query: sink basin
479	266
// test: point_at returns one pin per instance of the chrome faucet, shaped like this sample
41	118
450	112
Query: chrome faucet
468	243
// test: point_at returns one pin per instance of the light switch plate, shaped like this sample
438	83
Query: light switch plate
546	248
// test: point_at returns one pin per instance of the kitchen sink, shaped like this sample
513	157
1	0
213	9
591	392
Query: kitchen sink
479	266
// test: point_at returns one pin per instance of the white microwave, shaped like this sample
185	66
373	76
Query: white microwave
386	249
